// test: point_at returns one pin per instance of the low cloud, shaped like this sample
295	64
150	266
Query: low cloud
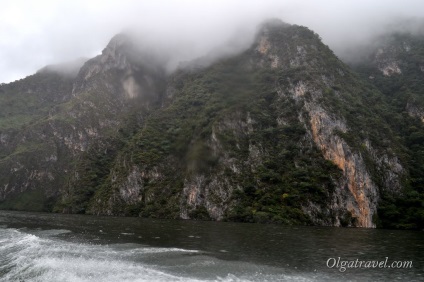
38	33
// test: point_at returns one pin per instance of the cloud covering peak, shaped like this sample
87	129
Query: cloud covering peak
38	33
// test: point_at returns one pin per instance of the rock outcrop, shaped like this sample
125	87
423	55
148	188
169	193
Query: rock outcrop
282	132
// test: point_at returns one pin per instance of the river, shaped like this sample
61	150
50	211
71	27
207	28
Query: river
58	247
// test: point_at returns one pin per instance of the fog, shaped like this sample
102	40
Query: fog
34	34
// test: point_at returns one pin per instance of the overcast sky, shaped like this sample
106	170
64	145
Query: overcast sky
37	33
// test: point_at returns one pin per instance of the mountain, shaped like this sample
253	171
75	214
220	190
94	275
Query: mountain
394	63
283	132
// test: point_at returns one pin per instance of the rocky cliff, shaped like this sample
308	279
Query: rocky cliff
282	132
393	64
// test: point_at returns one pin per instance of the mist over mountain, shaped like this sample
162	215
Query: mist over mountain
52	32
69	69
270	126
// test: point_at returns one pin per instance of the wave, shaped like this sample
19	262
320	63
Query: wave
41	257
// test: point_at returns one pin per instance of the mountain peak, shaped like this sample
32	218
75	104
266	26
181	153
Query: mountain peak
114	56
273	23
282	131
118	43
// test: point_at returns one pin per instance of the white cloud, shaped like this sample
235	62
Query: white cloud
36	33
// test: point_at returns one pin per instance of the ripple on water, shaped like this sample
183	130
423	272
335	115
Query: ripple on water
41	257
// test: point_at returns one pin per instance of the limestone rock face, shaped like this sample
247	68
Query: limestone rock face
281	132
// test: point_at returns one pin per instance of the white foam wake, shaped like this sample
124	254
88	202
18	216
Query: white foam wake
26	257
32	258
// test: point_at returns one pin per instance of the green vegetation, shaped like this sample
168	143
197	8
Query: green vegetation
29	99
401	209
217	100
232	135
29	200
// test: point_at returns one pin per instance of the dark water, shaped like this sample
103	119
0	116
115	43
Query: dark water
56	247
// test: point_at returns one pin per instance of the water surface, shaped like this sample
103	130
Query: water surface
57	247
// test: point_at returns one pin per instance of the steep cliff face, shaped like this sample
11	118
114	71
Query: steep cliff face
225	167
283	132
394	65
26	159
361	196
322	79
71	116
